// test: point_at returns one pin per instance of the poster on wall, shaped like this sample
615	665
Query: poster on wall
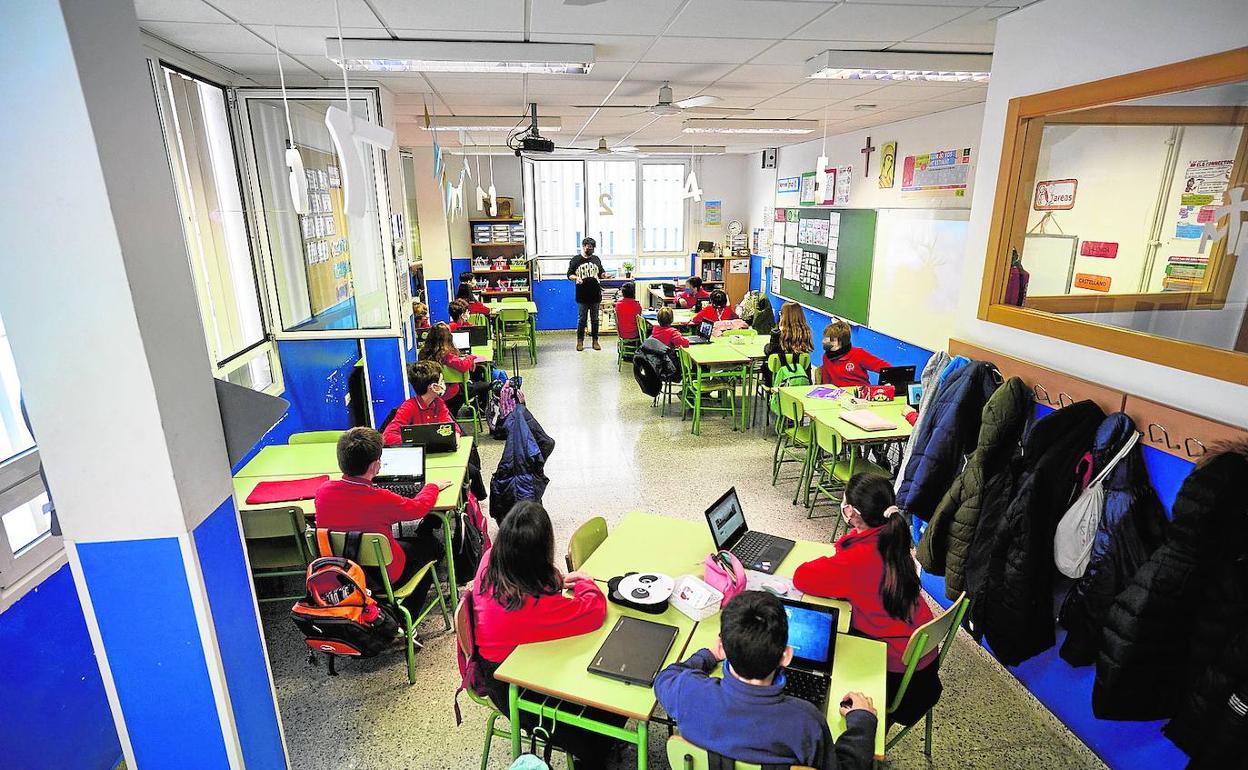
807	197
775	279
739	266
789	184
888	165
714	213
1055	195
944	172
810	271
829	186
1203	185
813	232
1184	273
1093	282
841	189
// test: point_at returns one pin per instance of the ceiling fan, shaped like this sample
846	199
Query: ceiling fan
694	105
602	149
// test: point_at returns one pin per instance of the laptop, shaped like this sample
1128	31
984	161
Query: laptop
435	437
669	290
462	341
634	651
703	335
897	376
402	470
755	550
812	635
478	336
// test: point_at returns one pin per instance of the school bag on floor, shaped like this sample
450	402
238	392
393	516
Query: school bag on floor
470	540
338	615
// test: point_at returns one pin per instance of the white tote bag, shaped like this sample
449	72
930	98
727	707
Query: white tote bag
1072	543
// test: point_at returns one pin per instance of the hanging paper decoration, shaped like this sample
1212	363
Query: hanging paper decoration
691	187
481	194
294	161
493	192
455	197
821	178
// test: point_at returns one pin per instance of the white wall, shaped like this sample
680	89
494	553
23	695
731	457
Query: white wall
720	177
1057	43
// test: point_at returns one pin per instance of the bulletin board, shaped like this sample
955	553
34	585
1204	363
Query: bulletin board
326	247
845	259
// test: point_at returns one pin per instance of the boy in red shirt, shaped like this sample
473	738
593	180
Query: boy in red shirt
353	504
843	364
626	312
693	293
665	333
475	306
718	310
420	313
459	315
426	407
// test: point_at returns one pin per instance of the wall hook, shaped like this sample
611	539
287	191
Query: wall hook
1187	445
1037	390
1165	436
1066	396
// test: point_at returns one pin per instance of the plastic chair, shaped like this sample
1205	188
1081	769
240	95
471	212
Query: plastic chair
739	333
275	545
937	632
683	755
480	319
793	439
786	377
463	380
516	325
625	349
831	469
315	437
696	385
585	540
375	552
514	300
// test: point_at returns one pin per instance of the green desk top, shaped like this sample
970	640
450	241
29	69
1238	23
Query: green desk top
750	346
297	460
855	435
483	352
528	305
859	665
680	316
717	354
448	499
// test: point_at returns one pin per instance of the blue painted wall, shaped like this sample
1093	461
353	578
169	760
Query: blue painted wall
316	372
385	375
55	710
438	291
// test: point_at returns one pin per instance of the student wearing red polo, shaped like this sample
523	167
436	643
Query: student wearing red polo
717	310
693	293
843	364
665	333
626	312
475	306
458	311
426	407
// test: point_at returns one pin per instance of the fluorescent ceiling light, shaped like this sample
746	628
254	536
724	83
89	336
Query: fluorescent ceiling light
900	66
748	126
467	56
499	123
678	149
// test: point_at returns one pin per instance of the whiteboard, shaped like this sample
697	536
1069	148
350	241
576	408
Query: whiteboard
919	255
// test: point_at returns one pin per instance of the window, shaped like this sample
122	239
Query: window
634	210
201	157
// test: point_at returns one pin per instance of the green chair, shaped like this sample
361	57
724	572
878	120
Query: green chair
480	319
832	468
797	373
698	386
275	546
315	437
740	333
514	300
793	439
463	380
625	349
643	329
375	552
937	632
516	325
683	755
585	540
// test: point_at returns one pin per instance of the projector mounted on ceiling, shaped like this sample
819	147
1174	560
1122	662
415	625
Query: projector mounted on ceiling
530	139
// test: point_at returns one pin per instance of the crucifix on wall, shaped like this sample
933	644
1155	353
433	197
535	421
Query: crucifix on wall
866	151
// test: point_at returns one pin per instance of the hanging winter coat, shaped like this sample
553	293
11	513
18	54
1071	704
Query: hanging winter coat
1013	606
945	437
947	539
654	364
1183	605
520	474
1222	714
1133	525
928	379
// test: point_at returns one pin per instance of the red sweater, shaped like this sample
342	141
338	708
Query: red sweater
539	619
353	504
713	314
414	412
423	323
850	369
688	299
669	336
626	312
460	364
478	307
457	325
853	573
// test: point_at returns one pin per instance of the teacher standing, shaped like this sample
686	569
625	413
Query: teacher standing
586	268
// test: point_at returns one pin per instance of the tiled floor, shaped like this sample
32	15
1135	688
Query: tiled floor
616	454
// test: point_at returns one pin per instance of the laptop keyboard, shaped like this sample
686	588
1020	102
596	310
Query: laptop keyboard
750	547
807	686
404	488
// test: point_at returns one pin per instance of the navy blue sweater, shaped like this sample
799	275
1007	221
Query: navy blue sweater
757	724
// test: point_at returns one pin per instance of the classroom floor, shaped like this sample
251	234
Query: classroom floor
615	454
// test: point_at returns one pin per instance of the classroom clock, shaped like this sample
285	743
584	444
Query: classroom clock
734	227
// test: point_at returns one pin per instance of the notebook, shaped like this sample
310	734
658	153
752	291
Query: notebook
866	419
634	651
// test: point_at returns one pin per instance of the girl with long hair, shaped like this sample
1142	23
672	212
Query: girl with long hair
440	348
789	339
873	569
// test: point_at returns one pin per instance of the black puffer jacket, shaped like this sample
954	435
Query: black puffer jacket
1183	606
944	437
1014	605
1132	526
947	539
1221	727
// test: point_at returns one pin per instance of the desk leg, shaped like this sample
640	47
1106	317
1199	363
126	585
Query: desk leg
643	744
513	715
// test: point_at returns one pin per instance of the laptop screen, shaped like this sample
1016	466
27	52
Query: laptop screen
403	461
705	329
811	631
460	340
726	518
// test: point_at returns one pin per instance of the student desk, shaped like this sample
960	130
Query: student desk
680	317
646	542
752	346
483	353
528	305
723	361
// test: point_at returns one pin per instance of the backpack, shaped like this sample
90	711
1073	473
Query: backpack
468	658
471	540
509	395
788	373
338	615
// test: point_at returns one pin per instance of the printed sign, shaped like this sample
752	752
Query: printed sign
1103	249
829	187
943	172
779	217
714	212
790	184
807	196
1055	195
843	176
1092	282
1203	185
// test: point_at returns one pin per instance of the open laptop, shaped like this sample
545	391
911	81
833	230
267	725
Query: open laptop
478	336
755	550
402	470
703	335
462	341
634	651
435	437
897	376
812	635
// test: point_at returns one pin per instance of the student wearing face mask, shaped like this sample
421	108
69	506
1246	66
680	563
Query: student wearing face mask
586	269
426	407
843	364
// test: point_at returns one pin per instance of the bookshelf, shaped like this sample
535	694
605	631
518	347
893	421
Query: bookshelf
499	265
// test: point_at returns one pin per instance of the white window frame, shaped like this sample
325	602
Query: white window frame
24	569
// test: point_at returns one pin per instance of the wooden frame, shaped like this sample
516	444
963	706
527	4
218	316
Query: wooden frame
1092	103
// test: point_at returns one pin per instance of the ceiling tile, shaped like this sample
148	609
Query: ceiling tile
796	52
479	16
634	17
914	45
177	10
759	73
310	41
676	73
830	90
976	27
222	38
730	18
477	99
355	13
693	49
626	48
258	63
879	22
476	83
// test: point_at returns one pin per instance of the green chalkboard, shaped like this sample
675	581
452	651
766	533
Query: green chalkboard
855	254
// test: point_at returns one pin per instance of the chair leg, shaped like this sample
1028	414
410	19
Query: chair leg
775	459
489	736
927	736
